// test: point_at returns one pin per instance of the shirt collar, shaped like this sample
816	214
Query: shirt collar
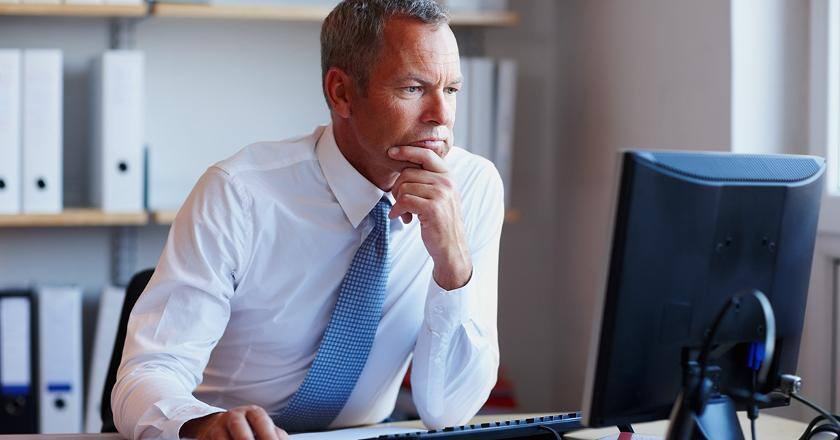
356	195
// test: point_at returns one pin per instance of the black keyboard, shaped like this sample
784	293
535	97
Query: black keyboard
539	427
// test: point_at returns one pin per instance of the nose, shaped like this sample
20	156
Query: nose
439	109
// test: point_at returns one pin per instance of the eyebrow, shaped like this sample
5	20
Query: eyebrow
411	77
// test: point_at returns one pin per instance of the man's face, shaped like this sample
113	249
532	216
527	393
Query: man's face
410	98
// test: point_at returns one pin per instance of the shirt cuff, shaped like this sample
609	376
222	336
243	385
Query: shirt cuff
168	416
448	309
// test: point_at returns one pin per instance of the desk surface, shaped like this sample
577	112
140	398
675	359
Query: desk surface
768	428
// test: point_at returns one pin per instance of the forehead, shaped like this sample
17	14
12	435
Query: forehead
411	45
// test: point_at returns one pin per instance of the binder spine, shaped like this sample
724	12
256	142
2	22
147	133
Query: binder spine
10	138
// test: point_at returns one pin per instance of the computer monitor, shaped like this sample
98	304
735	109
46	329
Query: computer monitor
692	230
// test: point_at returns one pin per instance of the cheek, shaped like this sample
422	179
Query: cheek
394	118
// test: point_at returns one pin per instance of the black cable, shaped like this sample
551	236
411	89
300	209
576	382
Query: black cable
814	428
752	410
825	428
816	408
769	336
556	434
810	427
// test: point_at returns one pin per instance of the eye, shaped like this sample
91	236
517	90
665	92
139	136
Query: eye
451	90
412	89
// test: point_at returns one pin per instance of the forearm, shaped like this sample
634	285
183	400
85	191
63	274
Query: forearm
150	402
456	357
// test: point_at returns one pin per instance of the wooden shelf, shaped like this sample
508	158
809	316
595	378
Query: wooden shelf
73	217
244	12
94	217
166	217
485	18
163	217
306	13
66	10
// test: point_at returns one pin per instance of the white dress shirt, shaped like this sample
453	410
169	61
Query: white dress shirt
249	277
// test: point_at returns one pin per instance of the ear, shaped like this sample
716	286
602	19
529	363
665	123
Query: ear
339	88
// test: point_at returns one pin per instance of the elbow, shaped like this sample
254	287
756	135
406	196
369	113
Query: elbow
458	408
444	419
117	401
454	413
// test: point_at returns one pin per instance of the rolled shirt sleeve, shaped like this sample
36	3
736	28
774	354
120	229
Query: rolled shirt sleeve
456	357
183	312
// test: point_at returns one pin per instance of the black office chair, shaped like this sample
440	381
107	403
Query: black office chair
132	292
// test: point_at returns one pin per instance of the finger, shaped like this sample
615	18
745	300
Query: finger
238	428
416	175
424	157
261	424
406	218
423	190
281	434
408	203
218	433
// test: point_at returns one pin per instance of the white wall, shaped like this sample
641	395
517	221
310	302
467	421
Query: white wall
769	76
640	74
528	294
664	74
595	77
214	86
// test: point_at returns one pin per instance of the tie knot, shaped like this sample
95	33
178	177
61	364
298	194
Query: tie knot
381	210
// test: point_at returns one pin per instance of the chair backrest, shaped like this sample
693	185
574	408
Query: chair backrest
132	292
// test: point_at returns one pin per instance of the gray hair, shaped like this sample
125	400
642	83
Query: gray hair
351	36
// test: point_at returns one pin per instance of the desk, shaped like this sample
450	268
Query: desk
768	428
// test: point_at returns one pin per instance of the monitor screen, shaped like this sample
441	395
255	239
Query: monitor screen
691	231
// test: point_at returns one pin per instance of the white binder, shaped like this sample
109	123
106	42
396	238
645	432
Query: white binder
118	115
505	118
482	106
461	130
42	131
60	363
107	323
15	359
10	104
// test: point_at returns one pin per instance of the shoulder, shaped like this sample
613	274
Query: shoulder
482	196
477	177
272	155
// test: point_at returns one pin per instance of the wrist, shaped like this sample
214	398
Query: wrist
193	427
453	274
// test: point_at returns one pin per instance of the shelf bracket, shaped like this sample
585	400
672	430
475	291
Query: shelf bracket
123	32
123	254
470	41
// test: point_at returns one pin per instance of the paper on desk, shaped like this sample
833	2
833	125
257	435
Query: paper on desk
354	433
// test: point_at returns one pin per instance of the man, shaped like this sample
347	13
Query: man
301	277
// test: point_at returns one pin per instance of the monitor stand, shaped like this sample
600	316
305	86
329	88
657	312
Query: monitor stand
717	420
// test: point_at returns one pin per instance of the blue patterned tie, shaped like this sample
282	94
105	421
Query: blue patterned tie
346	343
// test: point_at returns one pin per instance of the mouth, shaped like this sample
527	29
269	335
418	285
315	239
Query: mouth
437	145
